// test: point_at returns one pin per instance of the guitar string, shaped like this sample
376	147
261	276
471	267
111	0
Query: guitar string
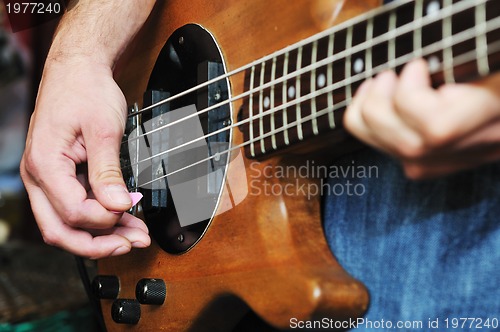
374	12
430	49
292	124
409	27
368	15
462	59
338	56
459	60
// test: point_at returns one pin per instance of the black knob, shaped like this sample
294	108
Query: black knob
125	311
106	287
151	291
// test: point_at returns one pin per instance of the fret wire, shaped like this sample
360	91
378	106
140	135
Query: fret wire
271	104
471	55
298	109
463	58
368	52
329	79
261	105
284	97
250	111
449	75
417	32
391	49
314	55
481	41
347	63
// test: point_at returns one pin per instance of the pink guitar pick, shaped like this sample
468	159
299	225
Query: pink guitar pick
135	197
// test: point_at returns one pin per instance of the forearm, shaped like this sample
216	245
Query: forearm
90	29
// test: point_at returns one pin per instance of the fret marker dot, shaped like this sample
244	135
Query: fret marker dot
291	92
358	66
321	80
267	102
432	8
433	63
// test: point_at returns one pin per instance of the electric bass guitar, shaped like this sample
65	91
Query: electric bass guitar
238	109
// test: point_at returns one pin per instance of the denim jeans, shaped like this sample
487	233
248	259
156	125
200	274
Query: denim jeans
428	251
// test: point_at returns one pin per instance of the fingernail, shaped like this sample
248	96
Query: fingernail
120	251
363	87
118	194
135	197
385	83
138	244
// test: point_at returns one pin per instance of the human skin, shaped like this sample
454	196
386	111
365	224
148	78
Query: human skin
433	132
79	119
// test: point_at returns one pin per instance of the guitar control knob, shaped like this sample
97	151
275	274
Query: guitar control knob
151	291
106	287
125	311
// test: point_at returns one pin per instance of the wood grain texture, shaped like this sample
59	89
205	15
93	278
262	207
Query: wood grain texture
268	252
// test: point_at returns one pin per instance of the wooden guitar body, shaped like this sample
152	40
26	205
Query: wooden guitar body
268	253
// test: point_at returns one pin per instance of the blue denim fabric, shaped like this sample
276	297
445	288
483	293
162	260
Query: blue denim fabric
425	250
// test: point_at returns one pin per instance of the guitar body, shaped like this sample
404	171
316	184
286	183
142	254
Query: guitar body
268	253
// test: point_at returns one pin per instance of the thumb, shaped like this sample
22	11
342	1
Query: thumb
105	176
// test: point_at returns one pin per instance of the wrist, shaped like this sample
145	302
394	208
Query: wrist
58	65
78	59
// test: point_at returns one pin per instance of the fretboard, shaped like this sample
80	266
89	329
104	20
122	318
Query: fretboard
301	92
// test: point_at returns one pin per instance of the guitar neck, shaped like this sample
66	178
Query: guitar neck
301	92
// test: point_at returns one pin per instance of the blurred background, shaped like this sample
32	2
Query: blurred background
40	286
